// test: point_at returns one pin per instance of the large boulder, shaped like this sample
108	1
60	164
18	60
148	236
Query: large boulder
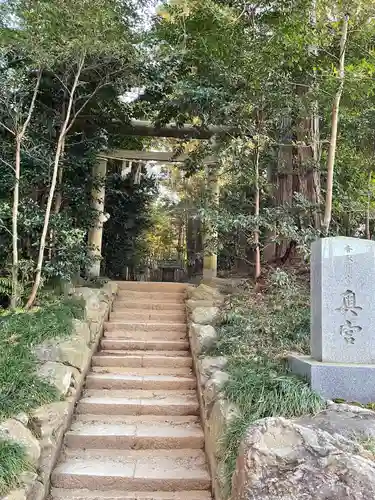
214	387
221	416
207	366
92	298
282	459
226	286
97	305
48	424
205	292
347	420
58	375
211	364
110	289
81	330
205	315
192	304
203	337
73	352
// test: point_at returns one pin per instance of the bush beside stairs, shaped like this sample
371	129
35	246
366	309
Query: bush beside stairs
136	433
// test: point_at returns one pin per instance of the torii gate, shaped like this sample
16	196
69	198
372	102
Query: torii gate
144	128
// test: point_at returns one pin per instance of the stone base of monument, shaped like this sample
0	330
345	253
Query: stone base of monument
348	381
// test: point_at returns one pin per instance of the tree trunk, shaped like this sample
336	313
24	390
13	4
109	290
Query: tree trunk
334	127
369	195
180	248
285	177
190	244
16	195
59	152
256	213
58	197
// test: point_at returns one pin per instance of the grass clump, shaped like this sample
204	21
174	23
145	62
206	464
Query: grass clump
13	462
368	444
20	387
257	330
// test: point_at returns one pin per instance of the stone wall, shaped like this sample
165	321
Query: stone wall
65	364
216	412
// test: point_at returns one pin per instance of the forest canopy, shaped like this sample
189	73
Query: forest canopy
292	80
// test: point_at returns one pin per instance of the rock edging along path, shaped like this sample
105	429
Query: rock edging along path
136	433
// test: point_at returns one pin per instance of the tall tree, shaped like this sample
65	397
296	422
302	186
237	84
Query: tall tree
82	48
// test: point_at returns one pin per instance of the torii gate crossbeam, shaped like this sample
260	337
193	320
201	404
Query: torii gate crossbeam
143	128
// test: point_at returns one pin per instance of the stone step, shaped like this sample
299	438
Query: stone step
145	326
145	345
145	315
132	295
145	353
149	286
151	470
139	419
140	335
133	359
125	305
116	435
146	382
143	371
114	402
82	494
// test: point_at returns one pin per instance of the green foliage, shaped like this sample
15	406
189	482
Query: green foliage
97	42
53	31
129	207
272	67
275	322
13	462
20	387
161	239
256	333
5	286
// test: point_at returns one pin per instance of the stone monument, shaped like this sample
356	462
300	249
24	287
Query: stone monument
342	361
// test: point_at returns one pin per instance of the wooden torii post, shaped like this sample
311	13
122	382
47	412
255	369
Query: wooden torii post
145	128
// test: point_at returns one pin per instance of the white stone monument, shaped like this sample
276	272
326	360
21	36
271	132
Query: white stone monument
342	361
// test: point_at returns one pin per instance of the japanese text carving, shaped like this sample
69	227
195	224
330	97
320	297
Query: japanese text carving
349	330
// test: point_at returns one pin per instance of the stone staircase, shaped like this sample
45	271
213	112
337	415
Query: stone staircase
136	434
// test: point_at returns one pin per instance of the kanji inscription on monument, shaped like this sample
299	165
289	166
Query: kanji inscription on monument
349	303
349	329
342	296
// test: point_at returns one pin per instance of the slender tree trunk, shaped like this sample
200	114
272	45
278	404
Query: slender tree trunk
56	210
180	248
59	152
256	213
58	197
314	131
16	196
334	127
369	193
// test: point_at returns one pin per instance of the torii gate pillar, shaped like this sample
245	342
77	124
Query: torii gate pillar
95	235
